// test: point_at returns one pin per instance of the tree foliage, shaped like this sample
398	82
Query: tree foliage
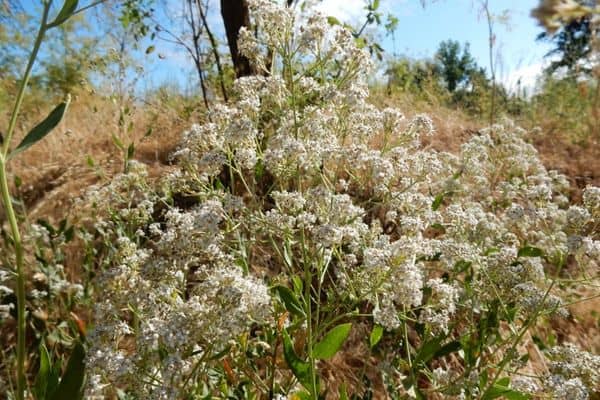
455	66
571	32
572	45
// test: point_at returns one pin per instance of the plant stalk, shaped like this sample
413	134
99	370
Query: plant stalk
21	94
10	212
16	237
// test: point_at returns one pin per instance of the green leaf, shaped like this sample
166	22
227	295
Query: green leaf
300	368
333	21
516	395
42	129
491	250
462	266
130	150
150	49
297	283
448	348
343	392
376	335
375	5
529	251
287	255
428	350
65	13
71	384
41	380
290	300
303	395
501	389
332	342
118	142
539	342
437	202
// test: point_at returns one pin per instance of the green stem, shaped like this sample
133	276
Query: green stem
16	236
21	94
309	323
10	212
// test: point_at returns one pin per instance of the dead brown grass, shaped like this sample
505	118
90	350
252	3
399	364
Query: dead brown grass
57	170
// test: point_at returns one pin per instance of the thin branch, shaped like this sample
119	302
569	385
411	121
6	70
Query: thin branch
91	5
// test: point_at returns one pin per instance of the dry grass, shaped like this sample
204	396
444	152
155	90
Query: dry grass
57	170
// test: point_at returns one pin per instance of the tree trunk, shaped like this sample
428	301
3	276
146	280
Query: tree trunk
235	15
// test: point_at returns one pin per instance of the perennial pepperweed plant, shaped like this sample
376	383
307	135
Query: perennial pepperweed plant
306	245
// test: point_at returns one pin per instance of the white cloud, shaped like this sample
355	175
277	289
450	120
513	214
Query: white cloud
345	10
353	11
524	77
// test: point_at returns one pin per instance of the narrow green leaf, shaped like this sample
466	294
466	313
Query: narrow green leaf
118	142
42	129
448	348
516	395
41	380
53	378
539	342
332	342
333	21
130	150
69	233
71	384
501	389
303	395
491	250
290	300
343	392
462	266
300	368
437	202
376	335
65	13
530	251
150	49
503	381
297	283
287	255
428	350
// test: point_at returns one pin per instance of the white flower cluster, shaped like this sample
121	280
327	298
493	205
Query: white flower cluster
571	363
301	170
171	298
5	290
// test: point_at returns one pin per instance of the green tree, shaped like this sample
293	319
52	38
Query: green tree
66	62
572	44
454	66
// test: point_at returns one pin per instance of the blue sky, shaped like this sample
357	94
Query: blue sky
419	33
421	29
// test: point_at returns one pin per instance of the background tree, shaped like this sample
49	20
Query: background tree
572	44
574	27
455	66
235	14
